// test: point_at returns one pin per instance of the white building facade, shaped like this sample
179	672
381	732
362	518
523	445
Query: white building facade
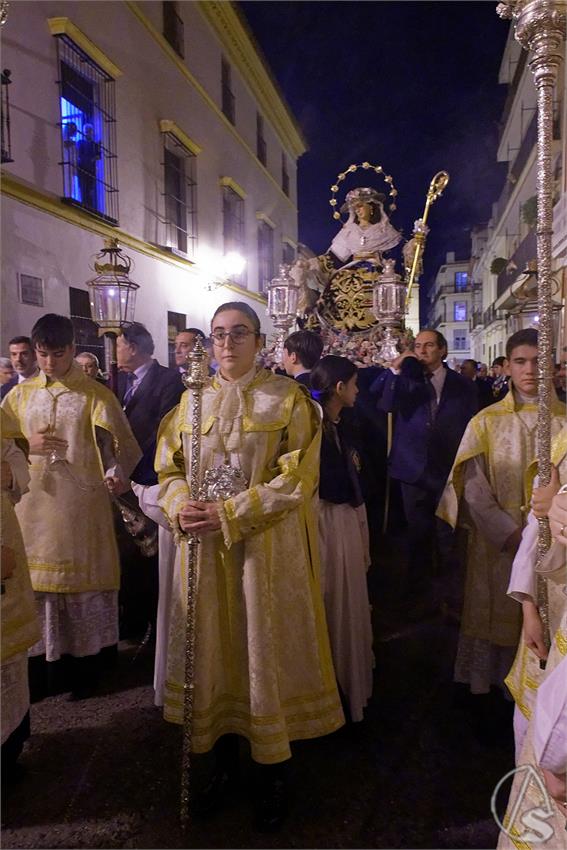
154	123
509	244
451	307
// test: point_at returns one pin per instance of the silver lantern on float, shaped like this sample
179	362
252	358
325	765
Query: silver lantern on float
283	297
389	307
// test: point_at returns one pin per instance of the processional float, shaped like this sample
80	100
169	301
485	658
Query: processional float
358	307
540	27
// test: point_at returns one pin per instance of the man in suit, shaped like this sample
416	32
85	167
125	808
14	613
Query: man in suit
23	360
184	342
147	392
432	405
469	369
302	351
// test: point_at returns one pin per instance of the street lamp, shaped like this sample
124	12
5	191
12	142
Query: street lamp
112	298
215	269
283	298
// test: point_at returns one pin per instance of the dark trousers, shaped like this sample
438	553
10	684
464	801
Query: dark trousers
431	546
139	582
48	678
13	746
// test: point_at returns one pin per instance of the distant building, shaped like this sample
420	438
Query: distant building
157	123
506	245
451	307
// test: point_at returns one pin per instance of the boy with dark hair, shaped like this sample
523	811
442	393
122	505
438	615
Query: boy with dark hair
486	494
302	351
80	446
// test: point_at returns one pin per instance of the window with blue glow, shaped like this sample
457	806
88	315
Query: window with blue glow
88	132
461	281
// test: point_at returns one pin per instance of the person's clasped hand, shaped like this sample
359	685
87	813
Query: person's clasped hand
199	518
43	442
558	518
543	496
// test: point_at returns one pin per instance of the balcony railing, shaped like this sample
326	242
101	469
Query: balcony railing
527	145
490	315
477	318
513	88
526	251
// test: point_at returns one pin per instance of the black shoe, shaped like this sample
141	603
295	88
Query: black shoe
272	807
210	799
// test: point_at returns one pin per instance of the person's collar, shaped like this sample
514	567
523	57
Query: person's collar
34	374
142	370
439	370
242	382
302	372
73	378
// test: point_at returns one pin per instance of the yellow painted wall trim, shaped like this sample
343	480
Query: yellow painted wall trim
232	184
241	48
261	216
63	26
289	241
47	203
170	52
167	126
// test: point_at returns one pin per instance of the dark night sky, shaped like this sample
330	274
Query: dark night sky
410	86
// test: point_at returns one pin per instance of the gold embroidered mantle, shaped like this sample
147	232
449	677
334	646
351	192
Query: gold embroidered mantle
20	628
505	435
525	675
263	663
66	517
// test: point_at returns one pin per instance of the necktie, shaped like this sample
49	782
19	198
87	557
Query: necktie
432	397
130	382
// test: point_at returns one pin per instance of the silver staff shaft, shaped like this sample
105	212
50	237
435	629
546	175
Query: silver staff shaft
195	380
540	27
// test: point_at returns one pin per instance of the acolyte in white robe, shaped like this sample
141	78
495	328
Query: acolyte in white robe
66	517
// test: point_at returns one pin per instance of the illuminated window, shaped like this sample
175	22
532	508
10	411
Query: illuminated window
460	311
88	132
461	281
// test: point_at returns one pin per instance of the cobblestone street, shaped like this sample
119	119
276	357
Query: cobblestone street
104	772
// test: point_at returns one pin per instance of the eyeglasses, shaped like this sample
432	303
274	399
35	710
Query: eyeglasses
237	335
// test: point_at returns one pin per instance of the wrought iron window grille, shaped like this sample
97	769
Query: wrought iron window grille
228	99
88	133
6	137
265	256
180	196
233	227
173	28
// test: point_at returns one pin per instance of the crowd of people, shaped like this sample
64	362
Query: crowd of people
311	464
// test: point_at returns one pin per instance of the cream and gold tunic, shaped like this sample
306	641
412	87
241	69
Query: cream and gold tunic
503	435
66	517
20	628
263	662
526	673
